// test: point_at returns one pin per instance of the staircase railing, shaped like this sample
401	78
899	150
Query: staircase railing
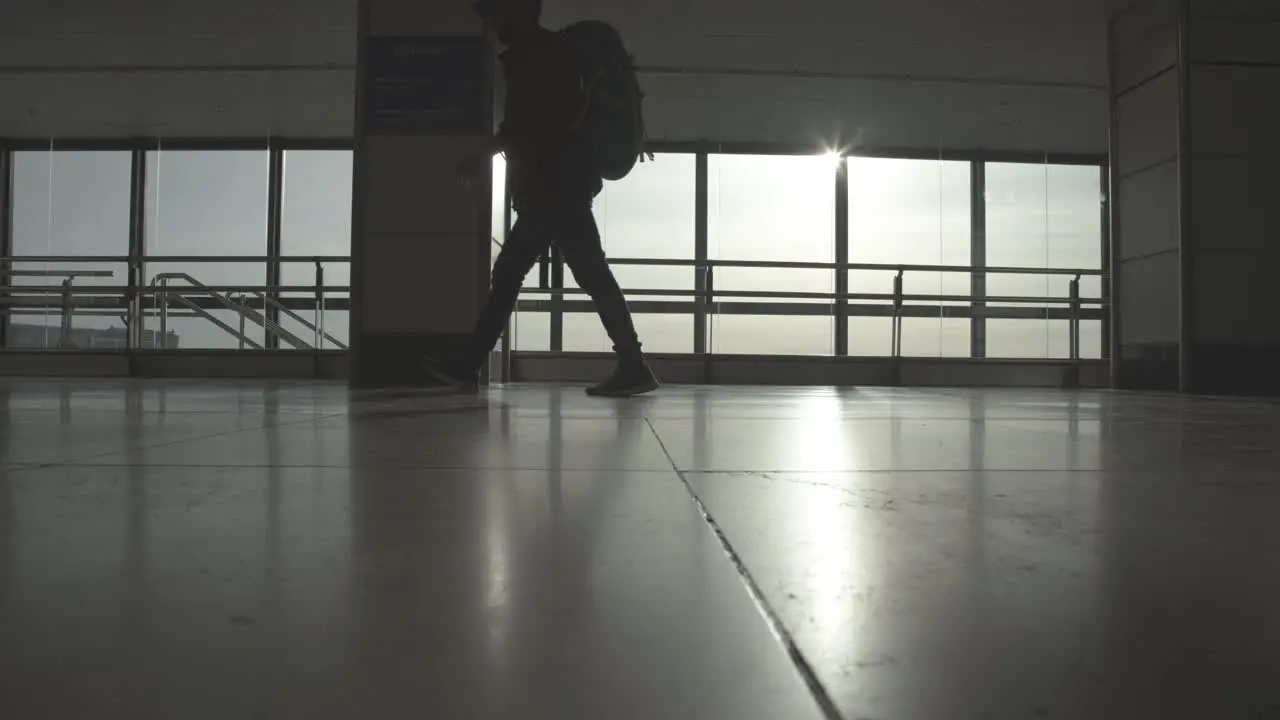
320	334
164	294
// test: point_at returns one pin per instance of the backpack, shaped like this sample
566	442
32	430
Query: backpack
611	123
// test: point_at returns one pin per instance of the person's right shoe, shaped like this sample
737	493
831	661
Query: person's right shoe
453	375
629	380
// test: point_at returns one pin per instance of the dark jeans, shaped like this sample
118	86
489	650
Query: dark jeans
569	223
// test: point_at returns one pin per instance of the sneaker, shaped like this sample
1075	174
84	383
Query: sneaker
452	375
627	381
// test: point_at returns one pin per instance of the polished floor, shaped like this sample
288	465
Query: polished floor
290	550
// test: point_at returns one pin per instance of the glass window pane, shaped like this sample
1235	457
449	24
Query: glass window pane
205	204
772	208
651	215
1075	216
336	326
1018	338
531	331
910	212
871	336
773	335
497	204
1042	216
316	214
660	333
1042	339
184	329
315	220
497	213
72	204
1091	339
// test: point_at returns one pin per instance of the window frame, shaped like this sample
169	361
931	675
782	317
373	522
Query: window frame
696	306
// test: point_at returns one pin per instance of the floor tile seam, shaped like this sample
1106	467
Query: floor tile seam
90	462
900	471
1018	471
127	411
11	470
817	690
908	418
349	466
198	438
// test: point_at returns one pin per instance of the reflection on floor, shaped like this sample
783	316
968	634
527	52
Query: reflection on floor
213	550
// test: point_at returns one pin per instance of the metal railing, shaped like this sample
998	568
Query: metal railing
66	337
707	300
258	304
164	295
172	294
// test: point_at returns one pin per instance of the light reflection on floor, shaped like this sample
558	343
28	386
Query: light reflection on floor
185	549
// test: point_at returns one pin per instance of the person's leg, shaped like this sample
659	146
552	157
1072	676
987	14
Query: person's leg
527	241
579	240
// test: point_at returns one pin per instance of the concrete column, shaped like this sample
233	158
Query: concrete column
1196	228
1146	251
420	249
1233	217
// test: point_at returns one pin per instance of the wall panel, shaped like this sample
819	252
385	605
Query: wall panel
974	73
1149	304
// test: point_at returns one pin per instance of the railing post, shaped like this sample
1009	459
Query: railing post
701	253
320	309
709	296
557	299
840	309
65	341
504	351
1074	318
244	319
6	241
162	298
896	350
133	306
897	314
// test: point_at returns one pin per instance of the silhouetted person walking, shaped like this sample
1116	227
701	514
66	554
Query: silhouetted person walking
555	175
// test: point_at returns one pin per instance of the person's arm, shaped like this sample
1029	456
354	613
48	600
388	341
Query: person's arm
469	170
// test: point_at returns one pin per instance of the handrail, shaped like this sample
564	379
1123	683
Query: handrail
706	298
244	339
174	258
56	273
281	307
786	265
652	262
161	280
638	292
66	291
66	337
834	297
103	289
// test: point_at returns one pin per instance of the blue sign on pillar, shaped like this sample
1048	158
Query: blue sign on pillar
426	86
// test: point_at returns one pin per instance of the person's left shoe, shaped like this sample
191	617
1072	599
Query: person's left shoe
629	380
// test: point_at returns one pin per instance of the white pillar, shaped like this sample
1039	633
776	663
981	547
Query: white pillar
1195	231
420	243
